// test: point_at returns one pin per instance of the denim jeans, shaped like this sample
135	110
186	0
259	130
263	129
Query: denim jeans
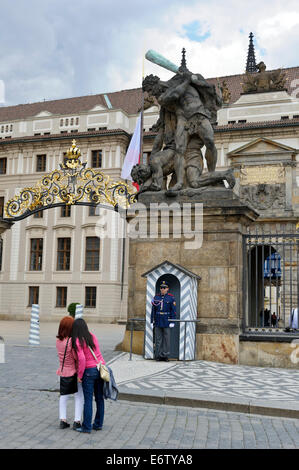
92	385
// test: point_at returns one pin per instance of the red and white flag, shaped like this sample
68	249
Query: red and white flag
133	153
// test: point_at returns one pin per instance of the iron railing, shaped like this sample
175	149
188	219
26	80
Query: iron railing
270	280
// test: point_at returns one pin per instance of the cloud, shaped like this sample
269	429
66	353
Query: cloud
60	48
195	31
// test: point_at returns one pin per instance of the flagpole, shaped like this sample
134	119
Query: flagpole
142	110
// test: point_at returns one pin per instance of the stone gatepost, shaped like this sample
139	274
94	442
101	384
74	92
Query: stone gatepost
218	262
4	225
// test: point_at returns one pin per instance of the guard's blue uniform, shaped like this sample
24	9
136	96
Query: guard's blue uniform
163	309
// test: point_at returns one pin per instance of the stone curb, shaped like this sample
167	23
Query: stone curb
278	409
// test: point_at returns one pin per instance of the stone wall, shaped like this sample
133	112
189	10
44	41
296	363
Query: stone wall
219	263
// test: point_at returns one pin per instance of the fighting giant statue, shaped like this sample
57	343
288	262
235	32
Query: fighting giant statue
188	108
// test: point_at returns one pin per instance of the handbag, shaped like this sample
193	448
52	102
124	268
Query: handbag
68	385
103	370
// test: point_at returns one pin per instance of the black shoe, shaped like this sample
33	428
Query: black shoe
165	359
64	424
76	425
82	430
97	428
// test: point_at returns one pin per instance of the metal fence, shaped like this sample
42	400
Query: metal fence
270	280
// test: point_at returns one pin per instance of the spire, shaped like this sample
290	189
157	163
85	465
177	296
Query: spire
183	66
251	64
183	62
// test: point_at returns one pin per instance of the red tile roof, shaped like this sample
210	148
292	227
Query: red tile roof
65	136
128	100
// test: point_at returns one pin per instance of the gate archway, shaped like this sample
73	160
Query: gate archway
73	184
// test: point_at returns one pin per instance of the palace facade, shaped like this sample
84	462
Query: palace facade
55	257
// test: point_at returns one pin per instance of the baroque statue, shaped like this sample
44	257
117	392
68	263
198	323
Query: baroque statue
188	108
225	93
263	81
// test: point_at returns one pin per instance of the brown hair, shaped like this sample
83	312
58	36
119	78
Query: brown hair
65	328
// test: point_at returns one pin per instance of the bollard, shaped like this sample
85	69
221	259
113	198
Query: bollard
2	351
34	326
79	311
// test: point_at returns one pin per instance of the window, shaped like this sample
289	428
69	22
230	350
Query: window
96	158
93	210
61	122
41	162
33	295
72	122
1	252
66	122
11	128
1	206
61	296
63	254
3	164
65	211
36	254
38	215
90	296
64	157
145	157
231	122
242	121
77	121
92	254
284	118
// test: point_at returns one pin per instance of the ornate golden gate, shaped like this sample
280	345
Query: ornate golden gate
73	184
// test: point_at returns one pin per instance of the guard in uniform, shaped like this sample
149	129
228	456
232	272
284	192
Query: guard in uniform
163	310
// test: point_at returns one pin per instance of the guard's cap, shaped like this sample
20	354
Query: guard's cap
164	284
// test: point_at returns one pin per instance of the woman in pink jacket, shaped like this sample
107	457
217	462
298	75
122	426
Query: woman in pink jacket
88	374
68	374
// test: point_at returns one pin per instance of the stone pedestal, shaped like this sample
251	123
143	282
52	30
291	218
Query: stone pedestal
218	261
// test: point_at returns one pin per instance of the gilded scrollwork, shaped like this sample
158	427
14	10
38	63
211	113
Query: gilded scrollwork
73	183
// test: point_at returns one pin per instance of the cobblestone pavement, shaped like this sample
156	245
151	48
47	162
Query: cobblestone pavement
221	380
29	412
29	421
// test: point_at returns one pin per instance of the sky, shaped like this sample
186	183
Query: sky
53	49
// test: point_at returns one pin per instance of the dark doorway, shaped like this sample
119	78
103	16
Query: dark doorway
264	282
175	290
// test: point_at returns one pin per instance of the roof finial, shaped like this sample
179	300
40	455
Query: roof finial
251	64
183	66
